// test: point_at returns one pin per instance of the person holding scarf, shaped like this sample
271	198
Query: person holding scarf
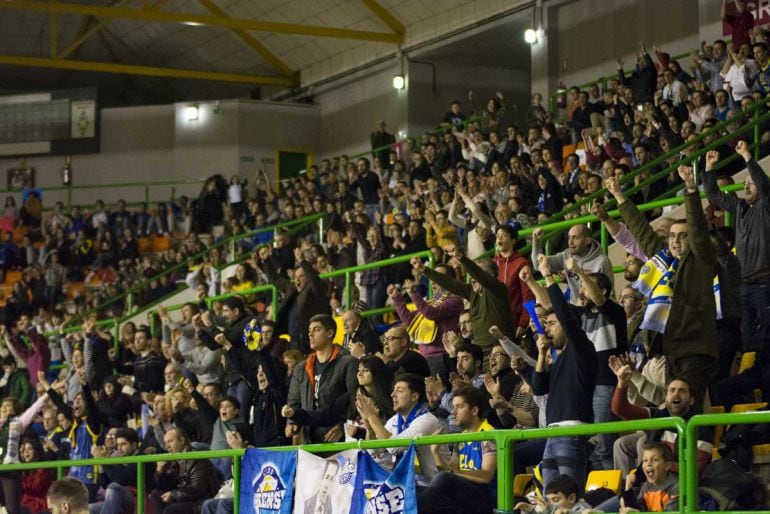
430	320
678	281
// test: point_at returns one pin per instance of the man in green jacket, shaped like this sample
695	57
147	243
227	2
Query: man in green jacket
689	337
490	304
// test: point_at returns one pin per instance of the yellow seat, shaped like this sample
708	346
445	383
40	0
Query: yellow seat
719	430
160	243
747	361
144	244
611	479
520	484
339	335
748	407
760	450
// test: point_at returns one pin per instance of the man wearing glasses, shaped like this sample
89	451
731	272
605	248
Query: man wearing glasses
398	356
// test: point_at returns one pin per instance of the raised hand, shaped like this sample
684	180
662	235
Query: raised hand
450	340
598	211
495	332
537	234
613	186
542	265
712	157
393	290
417	264
742	149
688	176
492	384
287	412
620	63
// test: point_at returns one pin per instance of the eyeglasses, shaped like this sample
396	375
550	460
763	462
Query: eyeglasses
498	354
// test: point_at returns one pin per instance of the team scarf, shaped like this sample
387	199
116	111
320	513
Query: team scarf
655	282
417	411
423	330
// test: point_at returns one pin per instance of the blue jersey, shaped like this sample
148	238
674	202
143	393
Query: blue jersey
82	439
470	455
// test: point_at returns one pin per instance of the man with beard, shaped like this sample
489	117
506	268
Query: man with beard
679	403
581	247
604	322
470	358
569	382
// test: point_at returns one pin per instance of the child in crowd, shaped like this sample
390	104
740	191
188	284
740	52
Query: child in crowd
660	492
562	496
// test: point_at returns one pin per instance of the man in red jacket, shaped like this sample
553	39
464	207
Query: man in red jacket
509	263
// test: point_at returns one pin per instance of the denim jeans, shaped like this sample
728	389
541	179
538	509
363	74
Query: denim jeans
117	500
216	506
565	456
755	305
602	455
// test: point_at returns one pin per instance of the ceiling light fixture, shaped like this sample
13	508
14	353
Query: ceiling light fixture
530	36
191	112
399	82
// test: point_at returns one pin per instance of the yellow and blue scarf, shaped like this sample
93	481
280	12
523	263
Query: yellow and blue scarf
655	282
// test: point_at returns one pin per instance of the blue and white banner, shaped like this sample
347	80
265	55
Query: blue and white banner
325	486
267	482
380	492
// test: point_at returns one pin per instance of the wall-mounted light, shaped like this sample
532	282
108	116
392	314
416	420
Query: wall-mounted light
399	82
191	112
530	36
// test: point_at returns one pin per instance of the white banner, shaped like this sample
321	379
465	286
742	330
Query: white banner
325	486
83	119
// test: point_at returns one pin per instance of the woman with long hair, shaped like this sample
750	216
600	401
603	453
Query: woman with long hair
34	482
374	381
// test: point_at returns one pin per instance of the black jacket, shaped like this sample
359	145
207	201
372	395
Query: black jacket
189	481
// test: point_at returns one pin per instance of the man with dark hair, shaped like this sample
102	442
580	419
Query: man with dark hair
236	318
366	181
470	485
326	374
569	382
183	485
309	296
752	233
67	496
119	480
16	381
604	322
194	356
680	402
685	312
411	419
148	366
509	263
488	296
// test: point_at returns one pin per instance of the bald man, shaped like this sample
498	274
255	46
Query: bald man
581	247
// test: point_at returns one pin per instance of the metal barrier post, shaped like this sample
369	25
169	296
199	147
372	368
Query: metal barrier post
274	303
236	483
348	303
605	239
140	487
755	121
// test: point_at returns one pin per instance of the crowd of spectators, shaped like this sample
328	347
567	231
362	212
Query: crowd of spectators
499	351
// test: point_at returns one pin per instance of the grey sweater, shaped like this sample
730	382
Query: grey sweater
594	261
752	223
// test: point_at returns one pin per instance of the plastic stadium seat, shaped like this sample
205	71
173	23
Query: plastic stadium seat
747	361
748	407
161	243
12	277
520	484
339	335
611	479
719	431
144	244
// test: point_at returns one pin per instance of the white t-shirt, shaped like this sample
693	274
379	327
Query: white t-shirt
426	424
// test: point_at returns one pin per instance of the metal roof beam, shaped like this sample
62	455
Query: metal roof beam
176	73
199	20
386	17
249	40
83	37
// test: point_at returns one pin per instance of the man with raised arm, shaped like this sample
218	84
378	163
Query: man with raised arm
569	382
680	281
752	234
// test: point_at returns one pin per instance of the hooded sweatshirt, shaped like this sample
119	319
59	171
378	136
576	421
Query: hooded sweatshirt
594	261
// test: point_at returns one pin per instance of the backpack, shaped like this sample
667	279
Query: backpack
726	486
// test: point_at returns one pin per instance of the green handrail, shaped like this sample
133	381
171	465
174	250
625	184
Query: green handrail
691	439
186	262
603	80
504	440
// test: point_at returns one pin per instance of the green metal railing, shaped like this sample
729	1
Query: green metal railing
691	445
185	263
504	440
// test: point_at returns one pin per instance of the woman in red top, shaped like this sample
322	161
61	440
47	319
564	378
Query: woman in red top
34	482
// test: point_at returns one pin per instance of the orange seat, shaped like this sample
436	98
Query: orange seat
161	243
73	289
144	244
12	277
